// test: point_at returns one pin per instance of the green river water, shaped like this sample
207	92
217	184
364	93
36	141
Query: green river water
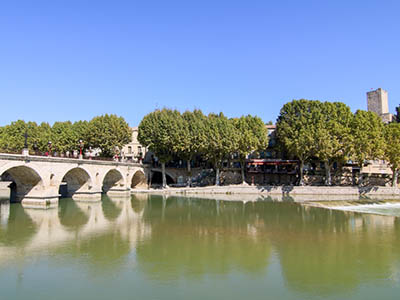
153	247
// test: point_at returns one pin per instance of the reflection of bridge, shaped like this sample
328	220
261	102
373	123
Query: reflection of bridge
53	229
39	181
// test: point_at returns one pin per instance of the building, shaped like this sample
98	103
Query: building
134	151
377	101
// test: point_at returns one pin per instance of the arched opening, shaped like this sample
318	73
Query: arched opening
156	178
113	179
138	180
22	180
75	180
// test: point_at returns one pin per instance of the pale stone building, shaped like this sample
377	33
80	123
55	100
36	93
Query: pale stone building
377	101
134	150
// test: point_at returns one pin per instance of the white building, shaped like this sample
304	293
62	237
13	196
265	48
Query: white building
134	151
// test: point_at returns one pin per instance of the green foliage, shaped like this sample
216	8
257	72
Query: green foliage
309	128
193	138
332	132
368	141
396	117
13	135
222	138
63	137
81	132
392	149
107	132
252	135
43	137
158	131
295	129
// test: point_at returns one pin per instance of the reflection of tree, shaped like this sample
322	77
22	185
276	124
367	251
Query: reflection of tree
71	216
110	209
101	253
18	229
189	239
330	251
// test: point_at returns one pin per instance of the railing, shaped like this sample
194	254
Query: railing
84	157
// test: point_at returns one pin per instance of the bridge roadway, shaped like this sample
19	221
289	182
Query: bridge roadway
39	181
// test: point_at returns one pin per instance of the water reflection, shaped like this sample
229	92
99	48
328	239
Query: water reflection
169	239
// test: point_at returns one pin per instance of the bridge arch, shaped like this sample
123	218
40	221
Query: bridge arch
113	179
76	180
25	180
156	177
138	180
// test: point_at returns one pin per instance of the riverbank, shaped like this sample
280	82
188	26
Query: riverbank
281	193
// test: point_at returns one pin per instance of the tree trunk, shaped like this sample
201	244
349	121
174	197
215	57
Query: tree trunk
394	178
301	182
360	178
189	175
217	176
242	164
328	179
164	177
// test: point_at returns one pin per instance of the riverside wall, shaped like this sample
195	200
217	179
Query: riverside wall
282	193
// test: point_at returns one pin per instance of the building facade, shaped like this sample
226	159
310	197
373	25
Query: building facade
377	102
134	151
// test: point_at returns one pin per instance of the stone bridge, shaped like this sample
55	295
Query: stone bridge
37	181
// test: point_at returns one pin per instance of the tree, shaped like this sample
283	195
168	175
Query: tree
367	138
63	137
222	140
43	137
13	136
295	130
81	132
252	136
392	149
192	139
158	131
107	132
396	117
331	134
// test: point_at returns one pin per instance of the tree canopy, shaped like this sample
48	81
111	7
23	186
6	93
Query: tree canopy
103	132
108	132
392	149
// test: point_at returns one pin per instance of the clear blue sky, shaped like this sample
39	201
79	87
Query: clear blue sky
72	60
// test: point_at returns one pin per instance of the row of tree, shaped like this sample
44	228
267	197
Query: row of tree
104	132
330	132
168	133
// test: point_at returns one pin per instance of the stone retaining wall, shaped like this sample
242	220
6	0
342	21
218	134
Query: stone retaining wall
298	193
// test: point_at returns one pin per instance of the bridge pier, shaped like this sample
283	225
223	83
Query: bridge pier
87	196
40	202
119	192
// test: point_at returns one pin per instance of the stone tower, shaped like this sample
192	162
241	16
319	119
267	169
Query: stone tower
377	102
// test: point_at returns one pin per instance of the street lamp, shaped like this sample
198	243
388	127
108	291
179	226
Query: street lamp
80	149
49	145
35	147
25	151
